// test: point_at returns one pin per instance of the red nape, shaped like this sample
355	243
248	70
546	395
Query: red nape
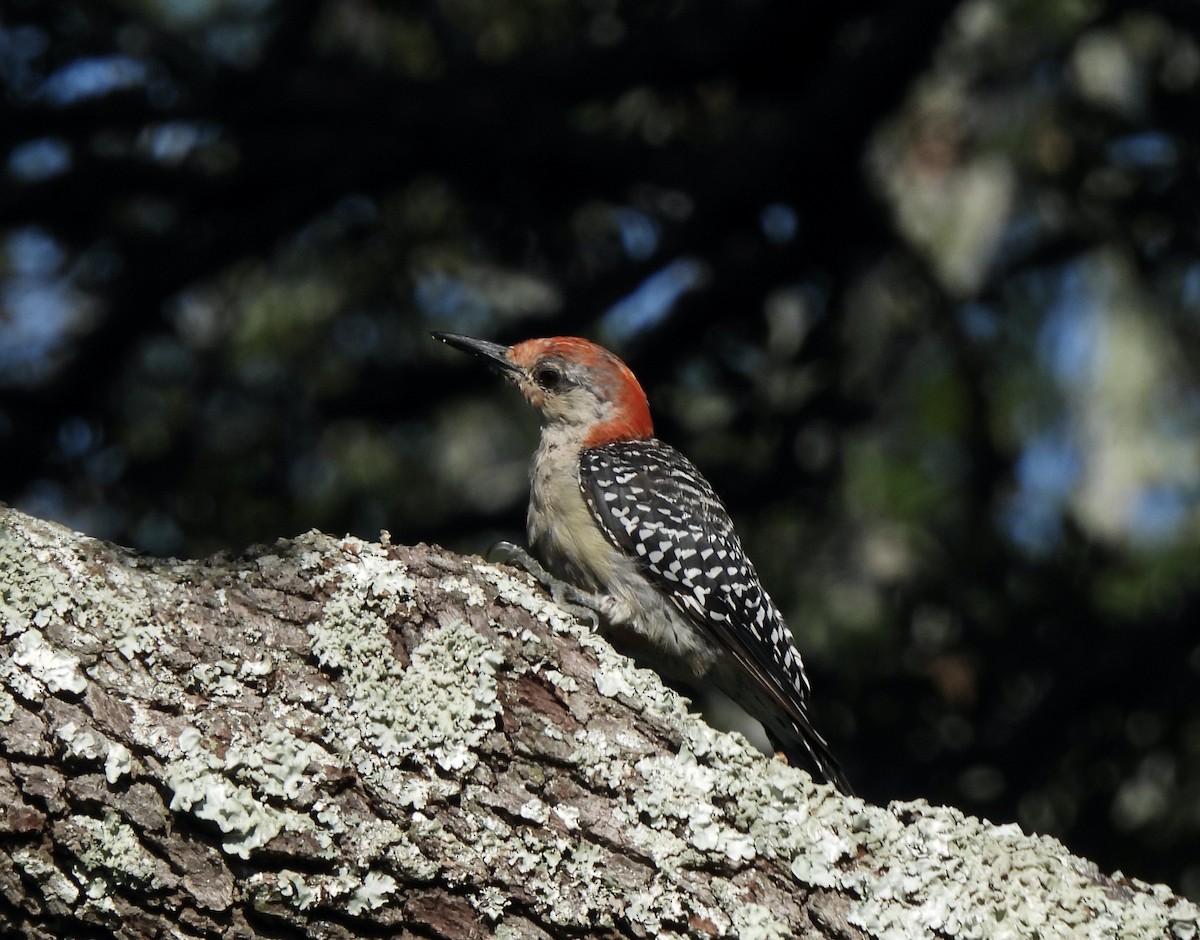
631	411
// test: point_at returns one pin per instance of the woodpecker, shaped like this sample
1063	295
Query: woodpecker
630	521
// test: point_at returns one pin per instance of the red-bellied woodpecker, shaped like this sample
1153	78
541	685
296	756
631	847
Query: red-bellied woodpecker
631	521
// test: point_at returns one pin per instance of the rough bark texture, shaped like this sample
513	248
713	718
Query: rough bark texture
334	738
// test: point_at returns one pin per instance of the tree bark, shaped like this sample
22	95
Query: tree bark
334	738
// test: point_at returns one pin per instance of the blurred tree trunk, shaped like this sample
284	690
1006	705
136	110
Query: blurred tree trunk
333	738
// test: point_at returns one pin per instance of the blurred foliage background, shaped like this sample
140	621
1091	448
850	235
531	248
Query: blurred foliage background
915	282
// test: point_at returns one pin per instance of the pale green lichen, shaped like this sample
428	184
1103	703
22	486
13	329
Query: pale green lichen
437	709
21	682
49	582
568	814
199	787
490	901
913	870
600	758
217	680
58	671
79	742
535	811
756	922
133	636
407	859
234	792
276	764
607	758
566	874
8	707
938	872
470	592
256	668
302	890
613	684
363	892
372	893
676	796
560	681
960	875
43	872
909	870
660	903
110	852
117	763
410	730
293	886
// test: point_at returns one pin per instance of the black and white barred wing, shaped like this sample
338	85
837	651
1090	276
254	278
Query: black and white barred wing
655	506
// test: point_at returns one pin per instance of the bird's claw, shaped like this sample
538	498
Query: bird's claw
575	601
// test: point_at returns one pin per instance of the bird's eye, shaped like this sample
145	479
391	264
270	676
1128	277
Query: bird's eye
548	377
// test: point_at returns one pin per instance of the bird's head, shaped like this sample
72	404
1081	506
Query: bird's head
571	381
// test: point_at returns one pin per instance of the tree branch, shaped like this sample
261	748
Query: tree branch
333	738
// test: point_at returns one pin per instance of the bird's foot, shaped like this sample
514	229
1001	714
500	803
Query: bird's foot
574	600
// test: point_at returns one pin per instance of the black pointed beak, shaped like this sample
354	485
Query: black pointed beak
491	353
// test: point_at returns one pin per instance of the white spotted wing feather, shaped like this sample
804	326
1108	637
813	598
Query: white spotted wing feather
655	506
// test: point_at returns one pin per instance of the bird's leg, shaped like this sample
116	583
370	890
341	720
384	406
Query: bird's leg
576	601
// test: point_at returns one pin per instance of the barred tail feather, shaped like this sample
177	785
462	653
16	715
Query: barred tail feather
809	748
